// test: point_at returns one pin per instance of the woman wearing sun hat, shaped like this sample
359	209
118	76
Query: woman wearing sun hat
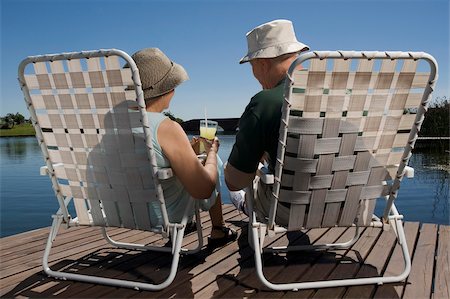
159	77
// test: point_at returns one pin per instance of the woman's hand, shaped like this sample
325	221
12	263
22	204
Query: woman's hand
215	144
202	145
195	143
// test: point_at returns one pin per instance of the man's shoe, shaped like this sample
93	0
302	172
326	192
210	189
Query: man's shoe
238	200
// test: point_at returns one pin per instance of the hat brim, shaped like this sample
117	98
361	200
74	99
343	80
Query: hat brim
176	76
275	51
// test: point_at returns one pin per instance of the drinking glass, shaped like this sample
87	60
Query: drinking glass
208	129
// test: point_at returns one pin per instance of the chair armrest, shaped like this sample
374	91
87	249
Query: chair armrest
44	169
265	175
165	173
409	172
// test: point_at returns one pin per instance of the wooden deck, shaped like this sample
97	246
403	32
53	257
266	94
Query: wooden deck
228	271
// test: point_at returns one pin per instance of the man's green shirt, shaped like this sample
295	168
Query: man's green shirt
258	130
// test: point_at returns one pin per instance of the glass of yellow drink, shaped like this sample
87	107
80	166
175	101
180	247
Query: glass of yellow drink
208	129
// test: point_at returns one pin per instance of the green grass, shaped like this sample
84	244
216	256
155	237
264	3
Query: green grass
18	130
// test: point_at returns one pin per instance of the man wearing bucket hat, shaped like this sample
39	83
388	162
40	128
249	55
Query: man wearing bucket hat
159	77
272	47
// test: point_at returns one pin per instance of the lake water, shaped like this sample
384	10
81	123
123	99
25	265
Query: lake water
27	200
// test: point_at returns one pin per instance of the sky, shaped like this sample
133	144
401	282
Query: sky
208	38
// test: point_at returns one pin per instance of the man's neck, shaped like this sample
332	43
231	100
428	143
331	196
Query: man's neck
274	79
277	72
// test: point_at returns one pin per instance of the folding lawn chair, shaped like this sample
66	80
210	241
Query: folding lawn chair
349	122
94	135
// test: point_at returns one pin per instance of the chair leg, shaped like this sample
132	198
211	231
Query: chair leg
333	283
57	220
331	246
133	246
251	219
136	246
198	223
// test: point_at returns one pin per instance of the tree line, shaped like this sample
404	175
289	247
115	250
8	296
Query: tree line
10	120
436	122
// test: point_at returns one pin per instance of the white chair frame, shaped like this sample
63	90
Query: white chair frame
63	218
259	229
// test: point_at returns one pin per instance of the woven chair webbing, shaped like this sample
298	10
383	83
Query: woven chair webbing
347	128
83	108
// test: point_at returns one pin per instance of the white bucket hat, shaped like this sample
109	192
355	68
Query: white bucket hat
272	39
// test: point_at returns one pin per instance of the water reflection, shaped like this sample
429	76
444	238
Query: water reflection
434	169
16	148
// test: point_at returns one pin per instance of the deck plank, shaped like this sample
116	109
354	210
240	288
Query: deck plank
16	246
396	263
227	272
374	265
419	283
19	239
33	250
61	250
442	278
330	269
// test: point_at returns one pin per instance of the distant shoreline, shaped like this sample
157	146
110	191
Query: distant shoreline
22	130
13	136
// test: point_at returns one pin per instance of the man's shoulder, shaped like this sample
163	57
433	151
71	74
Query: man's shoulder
269	94
273	95
267	100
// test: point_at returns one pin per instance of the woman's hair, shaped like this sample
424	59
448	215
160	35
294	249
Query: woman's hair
153	99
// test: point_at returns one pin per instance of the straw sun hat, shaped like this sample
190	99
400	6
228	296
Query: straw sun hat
158	73
271	40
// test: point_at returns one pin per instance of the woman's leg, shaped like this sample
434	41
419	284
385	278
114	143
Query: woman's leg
216	215
220	234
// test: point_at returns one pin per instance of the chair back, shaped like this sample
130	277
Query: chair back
349	122
89	115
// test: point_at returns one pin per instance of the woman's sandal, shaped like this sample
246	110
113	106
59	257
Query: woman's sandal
229	236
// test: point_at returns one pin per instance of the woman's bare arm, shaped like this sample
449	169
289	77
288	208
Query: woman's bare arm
198	180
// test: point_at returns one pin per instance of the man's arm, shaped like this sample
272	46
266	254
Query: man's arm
236	179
